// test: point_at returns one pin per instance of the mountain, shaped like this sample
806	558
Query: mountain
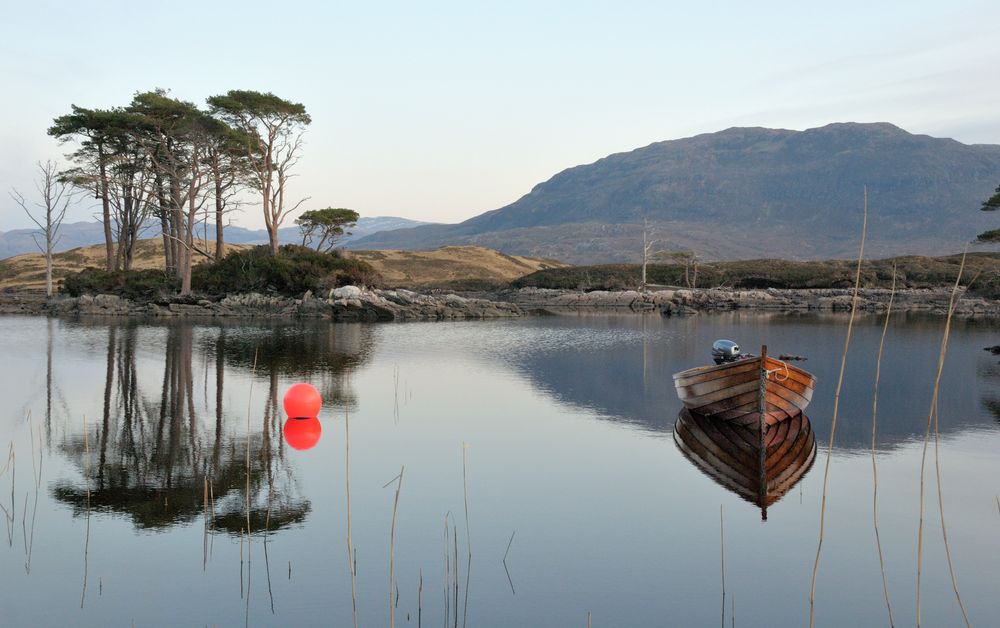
71	236
744	192
77	234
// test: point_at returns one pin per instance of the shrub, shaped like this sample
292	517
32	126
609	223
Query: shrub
294	271
987	286
911	272
134	284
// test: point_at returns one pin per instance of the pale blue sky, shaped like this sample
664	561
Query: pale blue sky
440	111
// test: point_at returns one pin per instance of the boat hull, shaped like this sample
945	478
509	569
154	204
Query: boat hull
731	391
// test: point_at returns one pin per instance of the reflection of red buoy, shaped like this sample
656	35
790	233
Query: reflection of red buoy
302	434
302	400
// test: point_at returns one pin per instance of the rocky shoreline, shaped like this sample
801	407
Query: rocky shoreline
347	304
351	303
671	302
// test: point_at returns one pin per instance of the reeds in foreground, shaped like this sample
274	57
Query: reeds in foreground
836	408
392	550
468	536
350	543
504	561
86	478
722	554
878	373
932	417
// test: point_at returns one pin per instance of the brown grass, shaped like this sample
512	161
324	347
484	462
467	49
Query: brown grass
27	272
450	266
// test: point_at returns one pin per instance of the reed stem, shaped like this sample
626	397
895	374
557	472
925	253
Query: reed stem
927	431
878	373
722	547
392	550
504	561
836	409
86	479
350	542
468	536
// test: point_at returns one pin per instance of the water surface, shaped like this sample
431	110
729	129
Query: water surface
566	424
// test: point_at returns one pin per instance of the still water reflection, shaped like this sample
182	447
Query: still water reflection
142	453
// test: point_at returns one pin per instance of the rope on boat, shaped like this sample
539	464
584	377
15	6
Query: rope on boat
776	377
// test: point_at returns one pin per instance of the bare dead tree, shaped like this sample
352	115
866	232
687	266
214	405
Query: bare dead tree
688	259
647	248
97	130
56	195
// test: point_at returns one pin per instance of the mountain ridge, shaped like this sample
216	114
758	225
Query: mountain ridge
750	182
84	233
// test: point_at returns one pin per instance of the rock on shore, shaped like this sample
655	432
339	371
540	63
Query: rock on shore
348	303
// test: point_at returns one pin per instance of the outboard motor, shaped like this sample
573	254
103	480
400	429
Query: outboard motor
725	351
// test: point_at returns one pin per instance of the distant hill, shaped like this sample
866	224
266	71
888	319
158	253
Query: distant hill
742	193
77	234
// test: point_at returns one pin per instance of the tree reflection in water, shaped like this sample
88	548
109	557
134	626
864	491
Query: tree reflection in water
153	453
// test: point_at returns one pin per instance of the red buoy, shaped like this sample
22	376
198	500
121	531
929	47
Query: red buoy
302	434
302	401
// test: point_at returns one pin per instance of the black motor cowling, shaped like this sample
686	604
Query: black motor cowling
725	351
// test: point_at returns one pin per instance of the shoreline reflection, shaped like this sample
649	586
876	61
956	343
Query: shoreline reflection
158	451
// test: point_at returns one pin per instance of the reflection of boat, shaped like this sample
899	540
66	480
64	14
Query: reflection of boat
732	390
732	455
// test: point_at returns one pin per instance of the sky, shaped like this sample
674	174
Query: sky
440	111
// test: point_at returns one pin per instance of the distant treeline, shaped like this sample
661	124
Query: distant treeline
982	272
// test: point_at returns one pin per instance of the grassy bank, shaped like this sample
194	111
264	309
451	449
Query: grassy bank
452	267
982	269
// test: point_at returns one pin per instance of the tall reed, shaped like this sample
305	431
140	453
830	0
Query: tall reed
447	572
878	373
253	376
350	543
722	554
504	561
38	485
204	540
468	535
86	478
9	514
931	415
836	408
454	538
392	550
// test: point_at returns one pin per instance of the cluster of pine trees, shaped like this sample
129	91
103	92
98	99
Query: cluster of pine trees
167	160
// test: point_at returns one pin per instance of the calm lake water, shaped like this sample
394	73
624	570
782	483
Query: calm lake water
571	466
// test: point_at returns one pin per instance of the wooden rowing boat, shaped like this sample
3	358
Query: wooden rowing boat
732	391
760	467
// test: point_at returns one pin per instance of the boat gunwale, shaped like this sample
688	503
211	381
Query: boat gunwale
712	368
